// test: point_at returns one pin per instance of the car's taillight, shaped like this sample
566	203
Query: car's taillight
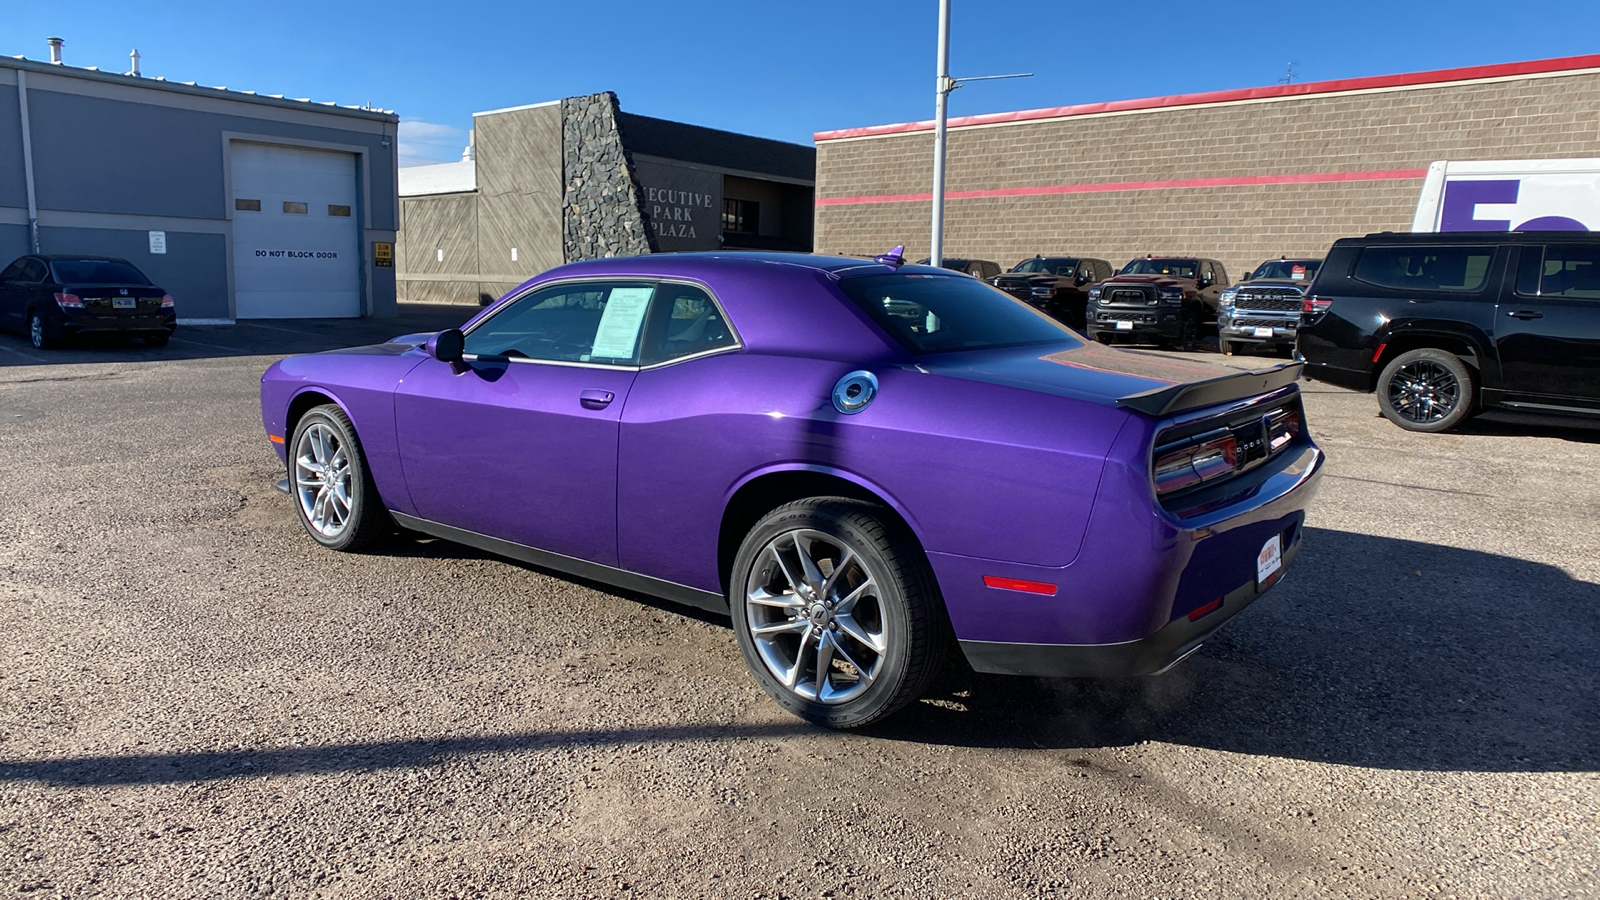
1316	306
166	301
1204	458
69	301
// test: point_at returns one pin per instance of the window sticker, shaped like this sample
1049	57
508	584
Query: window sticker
619	324
1298	273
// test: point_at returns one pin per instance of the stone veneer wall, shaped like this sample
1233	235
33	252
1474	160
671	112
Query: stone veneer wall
602	212
1121	185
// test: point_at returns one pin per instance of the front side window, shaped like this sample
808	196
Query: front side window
96	271
1560	270
1425	268
33	272
585	322
1177	268
938	313
13	272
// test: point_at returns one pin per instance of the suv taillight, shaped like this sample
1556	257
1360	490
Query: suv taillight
1316	306
69	301
166	301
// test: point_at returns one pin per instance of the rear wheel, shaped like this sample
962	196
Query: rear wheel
334	494
1426	390
836	612
39	332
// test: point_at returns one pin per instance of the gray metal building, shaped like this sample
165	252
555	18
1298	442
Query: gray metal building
241	205
579	178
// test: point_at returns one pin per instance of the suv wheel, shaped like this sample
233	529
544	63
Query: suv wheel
1426	390
836	612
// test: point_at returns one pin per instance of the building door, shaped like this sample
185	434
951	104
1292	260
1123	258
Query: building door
296	252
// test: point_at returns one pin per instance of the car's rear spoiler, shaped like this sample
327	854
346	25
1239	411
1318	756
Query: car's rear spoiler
1195	394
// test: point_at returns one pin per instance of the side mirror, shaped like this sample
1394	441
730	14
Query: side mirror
447	346
1245	277
1081	278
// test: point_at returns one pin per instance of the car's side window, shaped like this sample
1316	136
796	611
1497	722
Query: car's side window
1425	268
12	272
583	322
684	321
1560	270
33	271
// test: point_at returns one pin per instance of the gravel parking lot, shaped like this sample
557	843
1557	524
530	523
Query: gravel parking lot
197	702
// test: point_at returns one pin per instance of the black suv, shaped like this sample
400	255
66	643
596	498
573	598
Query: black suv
1055	284
1444	325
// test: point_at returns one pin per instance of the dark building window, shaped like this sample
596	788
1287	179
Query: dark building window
337	210
740	216
247	205
294	207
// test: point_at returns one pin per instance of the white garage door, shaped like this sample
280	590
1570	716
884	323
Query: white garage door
296	253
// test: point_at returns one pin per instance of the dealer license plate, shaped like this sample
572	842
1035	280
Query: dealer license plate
1263	332
1124	326
1269	561
124	302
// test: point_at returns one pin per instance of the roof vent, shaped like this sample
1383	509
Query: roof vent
471	153
55	49
133	60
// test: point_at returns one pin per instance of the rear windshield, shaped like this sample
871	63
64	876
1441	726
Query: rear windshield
1288	269
938	313
96	271
1177	268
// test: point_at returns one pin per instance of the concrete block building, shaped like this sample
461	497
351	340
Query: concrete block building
1240	176
241	205
579	178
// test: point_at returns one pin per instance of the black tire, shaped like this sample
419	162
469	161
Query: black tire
39	334
903	603
1427	390
1223	347
158	339
1107	339
366	520
1188	331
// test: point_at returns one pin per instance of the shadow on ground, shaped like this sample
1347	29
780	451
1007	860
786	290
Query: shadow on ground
1375	652
270	337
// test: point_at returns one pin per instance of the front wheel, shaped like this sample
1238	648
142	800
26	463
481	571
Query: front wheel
1224	347
836	612
1426	390
334	494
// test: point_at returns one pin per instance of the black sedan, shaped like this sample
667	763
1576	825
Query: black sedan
51	298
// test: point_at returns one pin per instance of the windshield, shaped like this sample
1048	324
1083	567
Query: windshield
1177	268
1059	265
96	271
937	313
1288	269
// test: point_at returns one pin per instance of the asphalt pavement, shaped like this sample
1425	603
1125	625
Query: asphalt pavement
195	701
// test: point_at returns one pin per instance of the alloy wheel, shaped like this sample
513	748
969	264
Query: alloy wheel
1424	391
36	331
815	617
322	480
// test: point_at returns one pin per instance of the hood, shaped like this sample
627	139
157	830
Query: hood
1161	280
1152	383
1029	277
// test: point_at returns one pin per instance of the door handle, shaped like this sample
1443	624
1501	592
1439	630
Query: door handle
592	399
1525	314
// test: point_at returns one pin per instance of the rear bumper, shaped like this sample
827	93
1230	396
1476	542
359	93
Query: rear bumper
1149	655
1246	334
85	323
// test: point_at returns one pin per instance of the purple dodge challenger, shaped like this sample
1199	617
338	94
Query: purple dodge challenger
866	464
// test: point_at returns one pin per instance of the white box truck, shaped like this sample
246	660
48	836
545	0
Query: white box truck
1510	195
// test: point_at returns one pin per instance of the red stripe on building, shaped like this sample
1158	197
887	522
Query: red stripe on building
1309	88
1109	186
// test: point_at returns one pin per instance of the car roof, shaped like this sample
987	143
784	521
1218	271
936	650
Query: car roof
697	264
1472	237
76	257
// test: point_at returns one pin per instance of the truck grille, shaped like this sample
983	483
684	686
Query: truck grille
1261	322
1126	317
1130	296
1269	299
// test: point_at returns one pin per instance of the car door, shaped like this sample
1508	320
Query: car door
1547	327
10	304
519	440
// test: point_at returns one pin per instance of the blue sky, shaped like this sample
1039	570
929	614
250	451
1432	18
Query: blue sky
781	70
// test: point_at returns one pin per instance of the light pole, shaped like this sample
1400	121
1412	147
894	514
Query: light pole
941	103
